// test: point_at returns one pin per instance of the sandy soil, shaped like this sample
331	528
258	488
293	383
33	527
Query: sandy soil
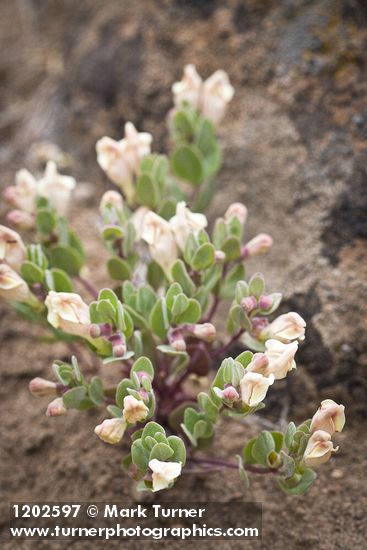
295	144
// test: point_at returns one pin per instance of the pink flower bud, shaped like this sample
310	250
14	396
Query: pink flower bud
119	350
205	331
249	303
236	210
56	407
39	387
111	198
230	394
258	245
265	302
21	219
179	344
219	256
96	331
258	363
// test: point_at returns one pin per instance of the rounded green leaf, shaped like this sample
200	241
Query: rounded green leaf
143	364
73	398
57	280
118	269
232	248
31	273
204	257
187	164
147	193
161	451
45	220
66	258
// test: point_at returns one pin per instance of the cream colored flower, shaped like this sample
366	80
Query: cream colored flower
68	312
111	430
164	473
56	187
12	249
330	417
56	407
112	159
258	245
217	93
186	222
23	194
39	387
254	387
188	89
319	449
209	98
280	357
138	145
138	221
236	210
162	244
288	327
135	410
13	287
121	159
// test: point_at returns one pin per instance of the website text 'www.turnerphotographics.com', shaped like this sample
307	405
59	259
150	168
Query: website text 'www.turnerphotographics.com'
166	521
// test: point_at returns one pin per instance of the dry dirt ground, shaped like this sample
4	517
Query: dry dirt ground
295	151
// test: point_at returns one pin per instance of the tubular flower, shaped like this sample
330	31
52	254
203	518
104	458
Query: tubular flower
23	194
13	287
330	417
185	222
162	244
135	410
39	387
217	93
12	249
280	357
254	387
56	187
209	98
121	159
111	430
319	449
288	327
68	312
164	473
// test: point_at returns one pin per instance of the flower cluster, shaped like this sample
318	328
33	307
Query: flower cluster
155	323
23	195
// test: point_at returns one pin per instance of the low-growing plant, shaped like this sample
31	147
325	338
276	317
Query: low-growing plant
157	324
